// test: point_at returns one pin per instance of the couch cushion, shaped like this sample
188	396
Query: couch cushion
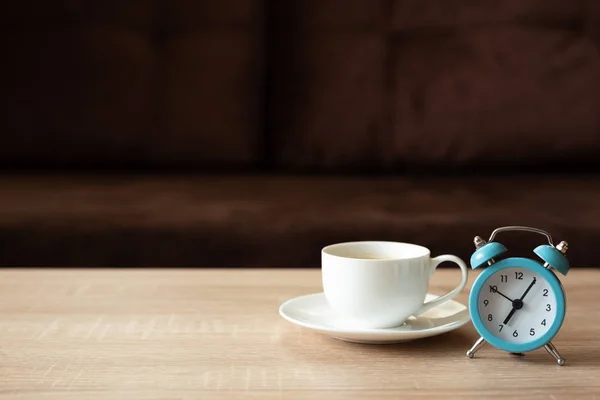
328	93
131	83
501	96
411	84
208	221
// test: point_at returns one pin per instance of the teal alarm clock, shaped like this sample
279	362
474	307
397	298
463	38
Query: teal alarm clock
518	304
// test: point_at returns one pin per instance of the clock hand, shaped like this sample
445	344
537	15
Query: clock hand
509	316
518	303
528	289
500	293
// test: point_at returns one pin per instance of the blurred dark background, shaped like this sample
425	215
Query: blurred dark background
173	133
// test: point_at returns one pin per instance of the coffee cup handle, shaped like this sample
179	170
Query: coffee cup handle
434	263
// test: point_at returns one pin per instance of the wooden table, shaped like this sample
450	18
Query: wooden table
216	334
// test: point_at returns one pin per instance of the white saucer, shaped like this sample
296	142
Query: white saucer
312	311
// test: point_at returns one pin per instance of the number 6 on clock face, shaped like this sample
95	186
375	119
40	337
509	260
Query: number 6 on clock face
520	305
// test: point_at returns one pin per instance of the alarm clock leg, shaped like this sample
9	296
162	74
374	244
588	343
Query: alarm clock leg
478	344
554	353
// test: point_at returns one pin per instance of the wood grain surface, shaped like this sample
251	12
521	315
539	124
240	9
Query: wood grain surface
216	334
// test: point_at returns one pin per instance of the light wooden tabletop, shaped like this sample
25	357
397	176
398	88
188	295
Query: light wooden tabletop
216	334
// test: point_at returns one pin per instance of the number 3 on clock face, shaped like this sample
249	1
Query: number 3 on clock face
520	306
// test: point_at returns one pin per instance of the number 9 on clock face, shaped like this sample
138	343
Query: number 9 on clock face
519	308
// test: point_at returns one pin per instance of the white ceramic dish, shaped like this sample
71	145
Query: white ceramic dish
313	312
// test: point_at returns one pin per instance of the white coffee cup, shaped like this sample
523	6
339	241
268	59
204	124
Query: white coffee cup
375	284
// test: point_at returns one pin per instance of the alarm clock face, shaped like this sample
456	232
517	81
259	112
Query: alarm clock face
517	305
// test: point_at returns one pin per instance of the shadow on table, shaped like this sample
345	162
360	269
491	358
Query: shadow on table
458	340
581	356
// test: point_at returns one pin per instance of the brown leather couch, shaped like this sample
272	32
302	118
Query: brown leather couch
254	132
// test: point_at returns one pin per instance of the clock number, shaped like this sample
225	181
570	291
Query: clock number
489	317
493	289
544	322
548	308
503	278
486	302
515	333
519	275
501	326
545	293
532	332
